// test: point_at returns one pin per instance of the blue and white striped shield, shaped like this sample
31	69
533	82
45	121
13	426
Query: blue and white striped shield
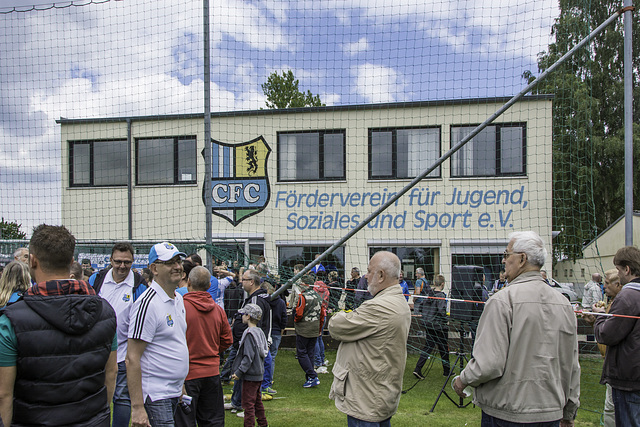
239	182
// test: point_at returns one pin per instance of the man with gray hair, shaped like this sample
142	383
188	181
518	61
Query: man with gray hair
22	255
525	358
372	354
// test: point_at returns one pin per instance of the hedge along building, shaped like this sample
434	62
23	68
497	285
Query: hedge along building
290	183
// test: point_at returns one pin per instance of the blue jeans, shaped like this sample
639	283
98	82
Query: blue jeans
489	421
273	349
319	352
121	401
355	422
161	412
225	371
268	371
627	404
236	396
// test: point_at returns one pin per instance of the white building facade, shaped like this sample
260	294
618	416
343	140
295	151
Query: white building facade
289	183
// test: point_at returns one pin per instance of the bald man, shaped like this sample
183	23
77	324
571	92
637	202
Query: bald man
373	350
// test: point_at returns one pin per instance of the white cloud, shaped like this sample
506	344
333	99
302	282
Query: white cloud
145	57
356	47
376	83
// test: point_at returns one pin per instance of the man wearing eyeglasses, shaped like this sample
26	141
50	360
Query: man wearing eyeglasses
120	286
157	355
525	358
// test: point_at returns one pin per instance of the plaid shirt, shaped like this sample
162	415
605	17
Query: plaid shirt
61	287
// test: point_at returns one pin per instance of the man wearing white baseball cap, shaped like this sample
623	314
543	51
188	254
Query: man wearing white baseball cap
157	355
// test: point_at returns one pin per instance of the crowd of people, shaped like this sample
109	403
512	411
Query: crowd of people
151	342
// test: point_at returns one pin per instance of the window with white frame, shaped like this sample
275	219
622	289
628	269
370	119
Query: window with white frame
399	153
499	150
166	160
98	163
311	156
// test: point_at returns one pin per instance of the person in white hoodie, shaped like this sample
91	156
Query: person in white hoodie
592	291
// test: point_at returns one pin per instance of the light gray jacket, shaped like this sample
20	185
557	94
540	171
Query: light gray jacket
525	358
372	356
592	294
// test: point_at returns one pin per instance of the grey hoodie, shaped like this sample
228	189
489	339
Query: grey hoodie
592	294
249	363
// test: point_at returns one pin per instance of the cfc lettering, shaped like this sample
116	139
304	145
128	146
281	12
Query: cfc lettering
234	192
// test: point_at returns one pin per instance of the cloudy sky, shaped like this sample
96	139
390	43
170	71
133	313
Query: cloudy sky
142	57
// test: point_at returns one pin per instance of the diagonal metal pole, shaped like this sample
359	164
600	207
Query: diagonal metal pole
453	149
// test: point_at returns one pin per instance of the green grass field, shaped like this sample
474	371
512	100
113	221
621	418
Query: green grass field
297	406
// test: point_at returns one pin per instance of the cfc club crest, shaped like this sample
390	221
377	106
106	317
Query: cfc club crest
239	183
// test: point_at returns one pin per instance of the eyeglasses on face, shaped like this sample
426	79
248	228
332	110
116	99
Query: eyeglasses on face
124	262
506	254
170	262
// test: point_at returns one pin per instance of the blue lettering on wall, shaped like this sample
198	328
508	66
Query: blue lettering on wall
460	209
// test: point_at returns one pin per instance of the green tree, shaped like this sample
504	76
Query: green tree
11	230
282	92
588	121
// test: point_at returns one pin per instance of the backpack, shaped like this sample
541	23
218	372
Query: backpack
139	284
423	289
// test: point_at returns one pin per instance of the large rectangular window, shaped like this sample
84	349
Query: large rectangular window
166	161
311	156
399	153
98	163
289	256
412	258
499	150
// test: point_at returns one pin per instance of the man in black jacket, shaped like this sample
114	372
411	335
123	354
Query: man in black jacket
434	319
57	343
622	336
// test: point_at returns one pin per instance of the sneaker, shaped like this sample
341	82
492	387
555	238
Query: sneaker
418	375
445	374
269	390
322	370
311	382
266	396
229	406
326	362
240	414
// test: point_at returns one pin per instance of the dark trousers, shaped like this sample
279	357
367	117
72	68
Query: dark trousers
627	404
489	421
252	404
305	349
207	405
435	337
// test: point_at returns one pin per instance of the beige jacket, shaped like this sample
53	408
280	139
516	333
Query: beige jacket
372	356
525	358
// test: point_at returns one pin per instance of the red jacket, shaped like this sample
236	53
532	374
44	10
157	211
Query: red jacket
323	290
208	334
